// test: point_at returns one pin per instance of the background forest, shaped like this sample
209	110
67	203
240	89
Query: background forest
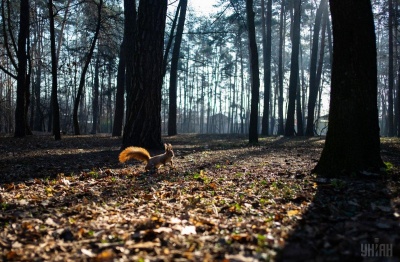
211	65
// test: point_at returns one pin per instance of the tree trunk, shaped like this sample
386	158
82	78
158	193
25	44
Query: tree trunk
280	68
390	73
294	69
398	104
130	30
174	69
54	97
84	70
119	97
95	98
170	39
20	111
312	99
299	112
267	40
38	121
254	74
143	125
352	142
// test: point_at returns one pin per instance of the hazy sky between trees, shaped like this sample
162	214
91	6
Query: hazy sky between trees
203	6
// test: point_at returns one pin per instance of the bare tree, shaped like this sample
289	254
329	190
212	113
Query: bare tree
390	119
21	124
266	18
280	67
174	69
54	97
294	69
85	68
254	74
312	99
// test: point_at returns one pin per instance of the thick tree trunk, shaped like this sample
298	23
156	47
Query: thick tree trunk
173	83
254	74
294	69
352	142
143	125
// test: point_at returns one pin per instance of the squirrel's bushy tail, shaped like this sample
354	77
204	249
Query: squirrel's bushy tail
137	153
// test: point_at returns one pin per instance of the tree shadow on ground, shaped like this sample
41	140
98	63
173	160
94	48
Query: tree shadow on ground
347	217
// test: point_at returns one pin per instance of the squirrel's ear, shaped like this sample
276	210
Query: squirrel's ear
165	146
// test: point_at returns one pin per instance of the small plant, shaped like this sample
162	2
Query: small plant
236	208
263	201
94	174
218	166
261	240
388	167
4	206
288	192
239	174
202	176
338	184
197	176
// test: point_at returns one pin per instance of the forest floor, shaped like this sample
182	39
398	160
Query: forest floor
225	200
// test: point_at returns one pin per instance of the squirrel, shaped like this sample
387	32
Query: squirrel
141	154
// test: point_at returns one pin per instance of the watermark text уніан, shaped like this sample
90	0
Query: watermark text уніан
377	249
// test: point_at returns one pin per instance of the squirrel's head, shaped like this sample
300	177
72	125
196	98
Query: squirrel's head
168	150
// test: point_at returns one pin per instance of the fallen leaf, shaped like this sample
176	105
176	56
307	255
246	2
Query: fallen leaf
187	230
294	212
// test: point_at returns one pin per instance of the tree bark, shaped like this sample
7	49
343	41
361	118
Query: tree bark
95	98
54	98
130	31
143	125
294	69
280	68
390	71
174	69
22	56
254	74
267	44
352	142
119	96
299	112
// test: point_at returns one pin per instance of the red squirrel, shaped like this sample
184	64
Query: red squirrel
142	154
